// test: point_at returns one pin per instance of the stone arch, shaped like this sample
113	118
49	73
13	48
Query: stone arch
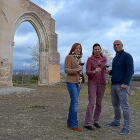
49	68
43	40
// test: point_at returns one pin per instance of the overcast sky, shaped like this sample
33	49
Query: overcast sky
86	22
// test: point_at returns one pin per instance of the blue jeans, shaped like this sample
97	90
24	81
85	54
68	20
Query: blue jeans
74	91
120	99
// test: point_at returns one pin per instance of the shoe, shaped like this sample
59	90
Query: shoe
68	125
89	128
76	129
112	124
97	125
124	131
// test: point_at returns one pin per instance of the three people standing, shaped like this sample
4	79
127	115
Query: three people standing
121	72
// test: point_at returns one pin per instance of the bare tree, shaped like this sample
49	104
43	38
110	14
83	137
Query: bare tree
23	76
35	57
108	55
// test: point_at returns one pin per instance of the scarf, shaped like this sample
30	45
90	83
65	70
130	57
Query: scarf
78	58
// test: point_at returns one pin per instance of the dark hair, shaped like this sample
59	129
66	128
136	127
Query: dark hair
95	45
73	48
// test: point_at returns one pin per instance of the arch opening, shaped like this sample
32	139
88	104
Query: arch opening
44	25
43	43
25	55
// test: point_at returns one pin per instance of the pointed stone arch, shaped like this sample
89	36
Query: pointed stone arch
49	67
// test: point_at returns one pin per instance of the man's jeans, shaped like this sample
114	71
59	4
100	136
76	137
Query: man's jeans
74	91
120	99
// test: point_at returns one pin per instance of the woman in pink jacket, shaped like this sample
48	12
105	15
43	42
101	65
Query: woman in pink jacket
95	69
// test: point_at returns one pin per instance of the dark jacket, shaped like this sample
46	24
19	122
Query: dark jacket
122	69
91	66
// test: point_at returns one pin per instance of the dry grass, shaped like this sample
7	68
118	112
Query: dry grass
41	114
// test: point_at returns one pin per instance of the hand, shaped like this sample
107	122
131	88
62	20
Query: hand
80	68
97	70
82	86
107	71
123	86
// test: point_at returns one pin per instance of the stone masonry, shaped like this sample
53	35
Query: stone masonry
12	14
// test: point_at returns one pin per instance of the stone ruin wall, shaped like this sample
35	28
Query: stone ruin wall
49	24
51	46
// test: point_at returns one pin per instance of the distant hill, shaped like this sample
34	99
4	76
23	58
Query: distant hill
136	75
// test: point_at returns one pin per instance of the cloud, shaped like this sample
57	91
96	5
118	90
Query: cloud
39	2
23	42
88	15
23	39
126	9
53	6
88	22
21	60
121	28
83	16
25	28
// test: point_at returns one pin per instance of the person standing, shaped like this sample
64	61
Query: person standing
122	71
74	80
95	70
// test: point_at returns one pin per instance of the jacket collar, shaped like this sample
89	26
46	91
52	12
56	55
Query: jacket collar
120	53
74	59
92	57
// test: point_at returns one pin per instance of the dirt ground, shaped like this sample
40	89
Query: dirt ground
41	114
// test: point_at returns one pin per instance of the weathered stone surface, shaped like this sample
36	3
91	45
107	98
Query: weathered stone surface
138	89
3	73
12	14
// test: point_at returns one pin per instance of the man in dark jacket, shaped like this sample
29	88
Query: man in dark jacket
122	71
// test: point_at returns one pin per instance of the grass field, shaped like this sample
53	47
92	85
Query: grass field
134	100
41	114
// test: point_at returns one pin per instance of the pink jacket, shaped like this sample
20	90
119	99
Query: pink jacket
91	66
